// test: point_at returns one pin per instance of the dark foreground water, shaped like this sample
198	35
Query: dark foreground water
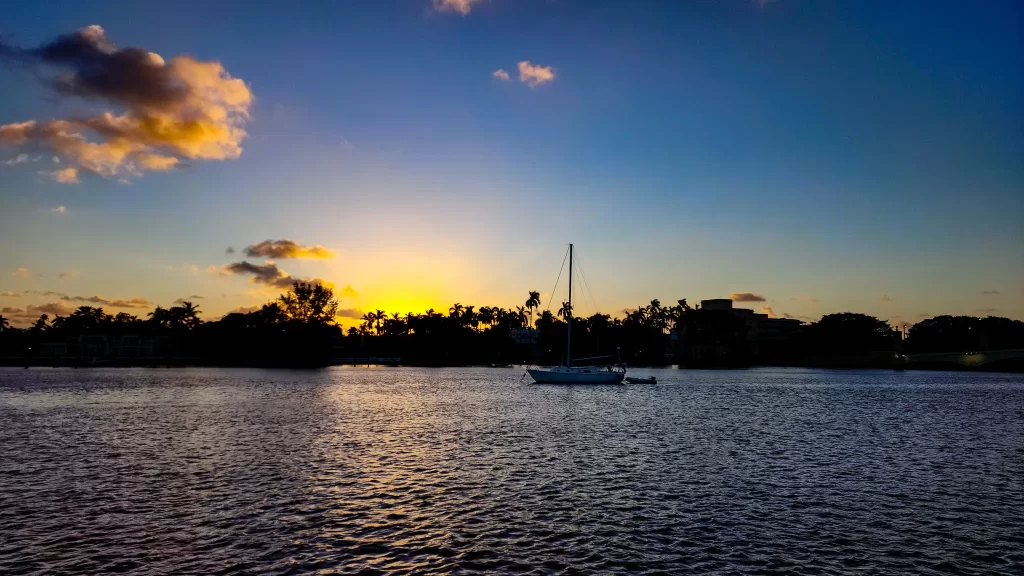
211	471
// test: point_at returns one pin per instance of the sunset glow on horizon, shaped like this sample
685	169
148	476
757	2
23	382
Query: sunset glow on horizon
415	154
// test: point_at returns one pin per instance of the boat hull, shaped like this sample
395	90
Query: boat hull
566	377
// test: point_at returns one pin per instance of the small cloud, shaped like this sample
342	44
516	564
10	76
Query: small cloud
9	294
192	268
116	303
804	299
461	6
64	176
19	159
923	315
230	250
56	160
268	274
245	310
767	309
349	292
885	298
990	293
68	274
60	209
746	297
22	272
500	74
287	249
350	313
535	75
987	310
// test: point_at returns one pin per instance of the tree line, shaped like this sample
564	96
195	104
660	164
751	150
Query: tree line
300	328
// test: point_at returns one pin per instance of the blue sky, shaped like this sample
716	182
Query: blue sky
821	154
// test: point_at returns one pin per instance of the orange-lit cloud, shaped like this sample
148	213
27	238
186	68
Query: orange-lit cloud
885	298
746	297
287	249
349	292
500	74
173	110
535	75
767	309
69	274
21	272
29	314
461	6
63	176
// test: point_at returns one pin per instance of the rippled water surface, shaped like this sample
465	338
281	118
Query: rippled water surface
223	471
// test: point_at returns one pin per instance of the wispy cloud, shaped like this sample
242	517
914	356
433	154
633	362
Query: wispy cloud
182	109
500	74
349	292
767	309
804	299
461	6
29	314
885	298
22	272
19	159
62	176
990	293
181	301
746	297
534	75
350	313
287	249
59	209
9	294
68	274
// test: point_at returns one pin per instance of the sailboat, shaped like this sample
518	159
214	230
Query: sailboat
570	374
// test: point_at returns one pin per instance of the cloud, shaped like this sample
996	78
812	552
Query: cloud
116	303
987	310
885	298
350	313
767	309
181	301
63	176
69	274
245	310
286	249
746	297
461	6
182	109
59	209
923	314
19	159
29	314
230	250
8	294
804	299
349	292
990	293
535	75
22	272
500	74
267	274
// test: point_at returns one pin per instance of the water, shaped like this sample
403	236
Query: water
224	471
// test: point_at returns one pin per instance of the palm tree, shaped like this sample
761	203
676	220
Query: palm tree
41	323
4	324
189	314
369	319
455	311
379	317
520	316
532	302
565	311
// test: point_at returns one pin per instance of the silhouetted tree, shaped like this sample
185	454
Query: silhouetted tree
309	302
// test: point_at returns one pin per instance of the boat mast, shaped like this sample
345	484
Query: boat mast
568	317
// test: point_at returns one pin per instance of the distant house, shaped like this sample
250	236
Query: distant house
524	335
133	346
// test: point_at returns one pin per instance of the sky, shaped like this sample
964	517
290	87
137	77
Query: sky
818	156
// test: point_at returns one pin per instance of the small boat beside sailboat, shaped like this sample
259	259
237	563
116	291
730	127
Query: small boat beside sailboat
637	380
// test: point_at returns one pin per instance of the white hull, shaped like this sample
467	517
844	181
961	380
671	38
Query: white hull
562	375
